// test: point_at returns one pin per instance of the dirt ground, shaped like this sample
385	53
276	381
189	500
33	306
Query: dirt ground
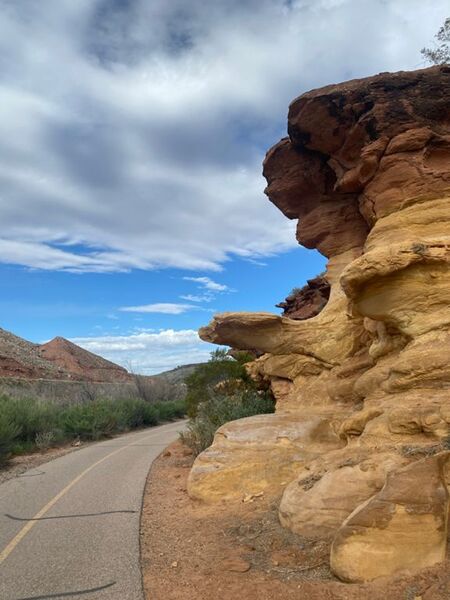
193	551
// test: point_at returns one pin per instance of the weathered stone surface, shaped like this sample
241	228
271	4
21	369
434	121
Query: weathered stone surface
401	527
315	505
366	170
308	301
238	461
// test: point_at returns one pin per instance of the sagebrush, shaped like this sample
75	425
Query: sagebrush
27	424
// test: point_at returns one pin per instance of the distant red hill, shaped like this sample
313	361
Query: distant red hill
57	359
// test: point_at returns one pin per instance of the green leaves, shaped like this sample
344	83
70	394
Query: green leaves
27	424
201	384
439	55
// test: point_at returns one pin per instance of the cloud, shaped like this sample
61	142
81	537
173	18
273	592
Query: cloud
167	308
195	298
149	352
208	284
132	133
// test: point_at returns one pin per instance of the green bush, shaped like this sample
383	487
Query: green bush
220	409
169	411
27	424
151	415
92	420
202	382
31	416
9	432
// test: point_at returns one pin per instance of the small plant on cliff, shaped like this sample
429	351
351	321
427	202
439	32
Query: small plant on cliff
202	383
440	54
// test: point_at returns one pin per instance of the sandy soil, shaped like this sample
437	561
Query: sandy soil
239	550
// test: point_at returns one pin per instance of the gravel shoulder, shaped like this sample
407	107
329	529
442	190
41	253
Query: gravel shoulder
208	552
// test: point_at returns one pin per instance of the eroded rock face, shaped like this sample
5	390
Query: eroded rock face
237	463
401	527
308	301
366	171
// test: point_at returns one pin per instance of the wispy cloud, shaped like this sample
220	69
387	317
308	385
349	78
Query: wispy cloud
208	284
194	298
167	308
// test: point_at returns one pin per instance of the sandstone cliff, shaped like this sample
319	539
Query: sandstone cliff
363	382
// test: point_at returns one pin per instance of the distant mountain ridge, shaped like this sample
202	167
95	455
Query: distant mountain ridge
62	359
81	363
179	374
57	359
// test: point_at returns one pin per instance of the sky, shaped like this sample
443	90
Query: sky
131	141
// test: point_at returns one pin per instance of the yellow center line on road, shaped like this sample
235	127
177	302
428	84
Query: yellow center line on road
32	522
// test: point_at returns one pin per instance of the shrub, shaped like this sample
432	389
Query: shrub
220	368
220	409
151	415
130	413
9	432
31	416
44	440
90	421
27	424
169	411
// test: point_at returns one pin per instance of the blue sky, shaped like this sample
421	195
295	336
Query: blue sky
131	142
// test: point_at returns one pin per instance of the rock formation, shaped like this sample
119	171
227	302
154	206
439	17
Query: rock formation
362	387
308	301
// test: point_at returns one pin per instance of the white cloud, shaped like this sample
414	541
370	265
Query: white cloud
167	308
132	133
150	352
195	298
208	284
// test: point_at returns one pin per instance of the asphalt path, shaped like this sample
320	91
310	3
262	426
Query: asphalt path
70	528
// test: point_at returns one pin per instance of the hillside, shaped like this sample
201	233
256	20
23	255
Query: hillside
57	359
20	358
62	359
177	375
80	363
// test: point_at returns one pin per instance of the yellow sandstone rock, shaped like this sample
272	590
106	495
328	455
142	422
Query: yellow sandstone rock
404	526
363	386
252	454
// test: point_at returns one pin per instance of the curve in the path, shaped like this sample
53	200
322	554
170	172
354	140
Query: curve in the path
70	529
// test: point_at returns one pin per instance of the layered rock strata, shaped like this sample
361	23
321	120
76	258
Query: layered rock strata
366	171
308	301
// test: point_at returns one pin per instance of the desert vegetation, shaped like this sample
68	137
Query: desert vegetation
220	391
30	424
